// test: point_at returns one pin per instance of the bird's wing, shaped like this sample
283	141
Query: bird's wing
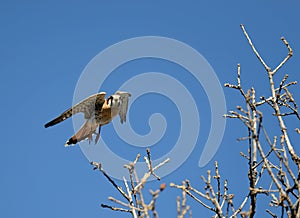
124	97
87	106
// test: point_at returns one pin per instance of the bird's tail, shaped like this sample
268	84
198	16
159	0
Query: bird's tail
86	131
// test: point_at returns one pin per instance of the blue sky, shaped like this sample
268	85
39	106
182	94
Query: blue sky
46	45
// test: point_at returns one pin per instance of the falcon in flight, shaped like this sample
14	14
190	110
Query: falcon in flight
98	111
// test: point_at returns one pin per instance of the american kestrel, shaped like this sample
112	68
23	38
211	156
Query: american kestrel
98	111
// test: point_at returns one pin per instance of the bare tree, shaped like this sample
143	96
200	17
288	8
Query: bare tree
268	156
133	190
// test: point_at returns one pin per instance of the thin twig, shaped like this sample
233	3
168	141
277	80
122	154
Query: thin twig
254	49
99	167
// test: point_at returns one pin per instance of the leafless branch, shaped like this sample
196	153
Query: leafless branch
135	205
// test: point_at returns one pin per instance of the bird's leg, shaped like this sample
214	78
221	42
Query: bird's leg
98	135
90	137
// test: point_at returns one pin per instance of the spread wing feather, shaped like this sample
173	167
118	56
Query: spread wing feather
124	97
87	106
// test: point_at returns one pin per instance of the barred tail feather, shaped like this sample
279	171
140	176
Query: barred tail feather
86	131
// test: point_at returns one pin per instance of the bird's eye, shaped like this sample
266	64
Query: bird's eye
109	100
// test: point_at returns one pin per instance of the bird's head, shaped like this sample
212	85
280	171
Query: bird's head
113	101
